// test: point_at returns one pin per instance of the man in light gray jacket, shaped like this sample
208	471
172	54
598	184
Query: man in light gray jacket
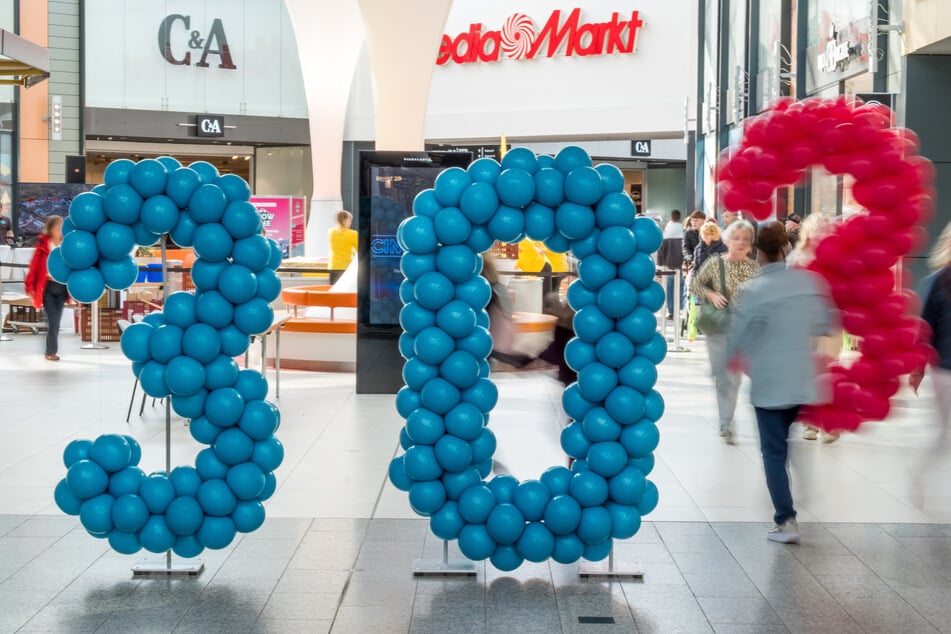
780	311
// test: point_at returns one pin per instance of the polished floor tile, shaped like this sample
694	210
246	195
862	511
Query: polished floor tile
338	549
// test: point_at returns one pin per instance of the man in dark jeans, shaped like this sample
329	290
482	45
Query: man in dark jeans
779	312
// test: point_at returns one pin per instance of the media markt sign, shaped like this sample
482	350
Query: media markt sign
520	39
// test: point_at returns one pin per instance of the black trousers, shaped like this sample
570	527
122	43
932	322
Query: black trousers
54	297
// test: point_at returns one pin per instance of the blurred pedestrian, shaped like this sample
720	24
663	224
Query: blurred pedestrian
935	291
46	292
781	310
343	245
671	256
717	283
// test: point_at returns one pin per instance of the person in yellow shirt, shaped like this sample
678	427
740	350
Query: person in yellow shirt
535	257
343	245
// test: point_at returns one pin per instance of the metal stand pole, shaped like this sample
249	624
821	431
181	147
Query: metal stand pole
277	363
677	298
598	571
94	338
444	568
164	566
3	337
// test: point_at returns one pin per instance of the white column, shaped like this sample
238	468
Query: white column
402	41
329	38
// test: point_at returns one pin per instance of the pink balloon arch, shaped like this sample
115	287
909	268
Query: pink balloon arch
858	256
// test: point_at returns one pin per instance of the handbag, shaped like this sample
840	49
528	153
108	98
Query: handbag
713	320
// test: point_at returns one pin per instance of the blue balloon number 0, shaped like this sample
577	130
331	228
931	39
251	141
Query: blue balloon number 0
184	352
565	514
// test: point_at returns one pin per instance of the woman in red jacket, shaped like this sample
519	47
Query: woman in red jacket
46	292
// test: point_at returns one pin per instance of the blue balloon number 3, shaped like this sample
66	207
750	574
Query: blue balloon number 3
184	352
566	514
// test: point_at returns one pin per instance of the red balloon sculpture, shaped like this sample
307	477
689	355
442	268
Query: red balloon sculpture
895	185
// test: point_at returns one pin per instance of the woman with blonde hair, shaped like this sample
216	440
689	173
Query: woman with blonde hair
718	283
343	245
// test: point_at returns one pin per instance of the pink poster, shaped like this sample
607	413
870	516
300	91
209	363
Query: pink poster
283	218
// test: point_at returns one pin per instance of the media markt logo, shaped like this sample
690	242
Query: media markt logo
520	39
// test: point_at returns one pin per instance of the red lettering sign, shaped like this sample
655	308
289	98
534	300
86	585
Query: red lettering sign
520	39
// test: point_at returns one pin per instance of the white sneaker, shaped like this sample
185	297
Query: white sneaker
785	533
809	433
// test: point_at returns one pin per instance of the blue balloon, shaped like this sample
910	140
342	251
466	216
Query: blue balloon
111	452
86	212
159	214
446	523
180	185
209	466
217	532
207	172
216	498
557	480
203	430
449	186
183	234
207	204
615	210
129	513
549	187
568	549
148	177
520	158
122	204
652	298
571	158
277	255
253	252
269	285
484	170
451	226
531	497
649	500
507	224
579	353
583	186
440	395
574	221
241	219
67	501
225	406
505	523
237	284
589	488
639	325
126	481
253	317
201	343
475	542
598	426
427	497
617	244
591	324
184	515
184	376
86	286
484	395
617	298
457	262
479	202
268	454
625	405
117	172
213	309
79	250
185	481
212	241
75	451
260	419
611	176
246	480
433	290
417	234
170	163
417	372
639	373
165	343
539	222
152	379
574	404
640	439
119	274
96	514
655	349
515	187
562	515
536	543
648	234
234	187
251	385
248	515
57	267
179	309
480	240
426	204
574	442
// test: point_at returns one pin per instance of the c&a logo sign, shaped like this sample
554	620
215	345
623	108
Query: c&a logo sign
215	43
520	39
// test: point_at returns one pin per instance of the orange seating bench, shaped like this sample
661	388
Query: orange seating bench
319	295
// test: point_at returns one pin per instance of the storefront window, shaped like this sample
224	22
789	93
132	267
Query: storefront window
6	174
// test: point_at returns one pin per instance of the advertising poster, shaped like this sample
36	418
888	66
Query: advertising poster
283	218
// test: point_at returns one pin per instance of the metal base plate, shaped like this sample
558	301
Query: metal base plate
602	570
161	567
440	568
94	346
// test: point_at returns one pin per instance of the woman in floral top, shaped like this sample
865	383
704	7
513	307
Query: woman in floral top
738	268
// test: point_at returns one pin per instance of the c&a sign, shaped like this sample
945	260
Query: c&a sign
215	42
520	39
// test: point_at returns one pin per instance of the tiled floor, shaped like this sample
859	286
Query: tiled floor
337	551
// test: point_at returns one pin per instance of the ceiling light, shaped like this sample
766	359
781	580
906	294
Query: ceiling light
234	158
247	158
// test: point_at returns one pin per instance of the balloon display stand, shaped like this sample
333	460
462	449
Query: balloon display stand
444	568
166	567
600	570
94	339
